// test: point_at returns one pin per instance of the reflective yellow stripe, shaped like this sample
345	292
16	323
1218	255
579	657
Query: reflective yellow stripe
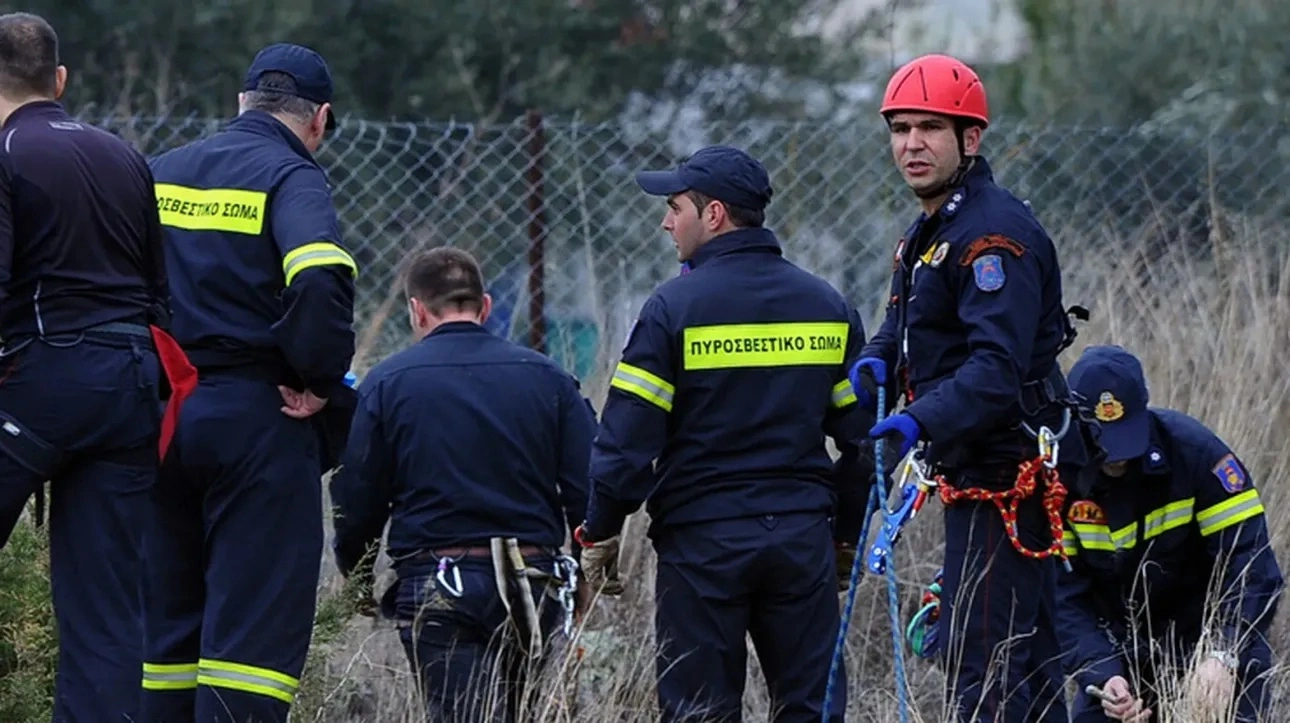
1171	516
247	678
1101	537
1070	543
1125	538
319	253
1229	512
233	210
1093	537
169	676
843	394
734	346
641	383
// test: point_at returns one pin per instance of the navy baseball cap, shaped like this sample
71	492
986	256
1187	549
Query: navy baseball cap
1111	380
724	173
306	67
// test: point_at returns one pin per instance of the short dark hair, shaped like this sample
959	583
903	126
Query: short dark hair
276	93
445	279
741	217
28	56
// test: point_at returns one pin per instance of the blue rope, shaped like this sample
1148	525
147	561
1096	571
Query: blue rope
877	495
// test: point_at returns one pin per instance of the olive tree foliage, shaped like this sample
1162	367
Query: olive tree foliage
1177	111
440	59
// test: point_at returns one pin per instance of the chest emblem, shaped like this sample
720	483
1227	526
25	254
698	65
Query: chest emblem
1108	408
1086	512
988	272
941	252
1229	473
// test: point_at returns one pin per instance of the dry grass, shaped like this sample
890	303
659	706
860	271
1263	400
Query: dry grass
1212	328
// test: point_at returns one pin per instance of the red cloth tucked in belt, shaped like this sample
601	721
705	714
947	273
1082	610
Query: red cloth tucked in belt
181	375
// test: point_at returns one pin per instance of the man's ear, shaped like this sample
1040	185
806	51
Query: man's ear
60	81
485	308
972	140
320	119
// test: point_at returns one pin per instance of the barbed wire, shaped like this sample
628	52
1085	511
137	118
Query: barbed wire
564	235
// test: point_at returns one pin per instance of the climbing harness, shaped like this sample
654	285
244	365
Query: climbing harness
923	632
877	497
1029	472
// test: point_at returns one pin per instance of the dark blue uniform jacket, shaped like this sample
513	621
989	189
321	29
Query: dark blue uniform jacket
731	377
259	277
974	325
1150	541
462	437
80	242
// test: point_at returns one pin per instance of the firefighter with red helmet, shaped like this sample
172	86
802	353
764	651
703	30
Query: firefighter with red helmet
969	344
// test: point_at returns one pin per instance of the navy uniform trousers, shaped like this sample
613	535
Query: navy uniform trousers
771	577
458	642
1001	655
233	558
93	397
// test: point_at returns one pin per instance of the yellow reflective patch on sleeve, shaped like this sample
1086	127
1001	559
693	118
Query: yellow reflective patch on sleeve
843	394
1234	510
639	382
319	253
783	344
232	210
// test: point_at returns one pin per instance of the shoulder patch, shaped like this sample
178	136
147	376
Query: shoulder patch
988	272
1229	473
991	241
1084	511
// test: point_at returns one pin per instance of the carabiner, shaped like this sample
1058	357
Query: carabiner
566	569
456	589
1049	445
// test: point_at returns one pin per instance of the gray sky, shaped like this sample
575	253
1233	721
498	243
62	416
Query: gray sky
986	29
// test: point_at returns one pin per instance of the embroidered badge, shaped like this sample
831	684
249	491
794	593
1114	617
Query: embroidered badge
992	241
941	252
988	271
1155	459
1108	408
1086	512
1229	473
895	261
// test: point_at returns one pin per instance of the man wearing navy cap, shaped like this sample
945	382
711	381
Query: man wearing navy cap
732	376
1171	507
263	293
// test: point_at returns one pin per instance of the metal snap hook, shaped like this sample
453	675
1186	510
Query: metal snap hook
455	589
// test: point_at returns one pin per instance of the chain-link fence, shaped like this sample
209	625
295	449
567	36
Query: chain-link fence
566	237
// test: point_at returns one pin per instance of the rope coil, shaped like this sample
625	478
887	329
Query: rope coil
1007	501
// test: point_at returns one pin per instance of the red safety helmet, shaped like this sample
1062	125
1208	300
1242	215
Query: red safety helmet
937	84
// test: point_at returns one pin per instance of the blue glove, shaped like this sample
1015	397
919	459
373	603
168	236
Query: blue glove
900	424
865	393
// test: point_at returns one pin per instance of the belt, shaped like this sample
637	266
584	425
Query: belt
472	551
122	327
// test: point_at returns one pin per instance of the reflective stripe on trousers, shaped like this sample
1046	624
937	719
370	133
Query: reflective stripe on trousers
247	678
